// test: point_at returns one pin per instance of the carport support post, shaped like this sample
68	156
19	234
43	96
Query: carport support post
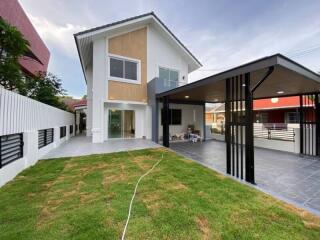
301	120
227	126
204	122
317	105
249	131
165	124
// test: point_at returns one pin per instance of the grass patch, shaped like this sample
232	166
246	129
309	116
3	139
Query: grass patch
87	198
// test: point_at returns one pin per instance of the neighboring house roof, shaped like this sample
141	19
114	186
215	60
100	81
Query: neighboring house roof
37	58
80	103
72	103
84	39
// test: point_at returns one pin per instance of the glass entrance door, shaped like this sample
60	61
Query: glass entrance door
115	124
121	124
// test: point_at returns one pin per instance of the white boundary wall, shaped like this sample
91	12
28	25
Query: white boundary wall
19	114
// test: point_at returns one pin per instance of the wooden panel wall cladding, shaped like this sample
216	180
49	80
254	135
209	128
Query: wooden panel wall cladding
132	45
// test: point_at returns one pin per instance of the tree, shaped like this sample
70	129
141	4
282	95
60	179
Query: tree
46	88
84	96
12	46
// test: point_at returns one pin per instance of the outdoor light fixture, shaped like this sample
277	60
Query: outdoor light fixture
280	92
186	96
243	85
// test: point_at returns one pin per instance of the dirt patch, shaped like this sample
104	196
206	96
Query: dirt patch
154	202
70	165
114	178
86	169
309	220
88	197
311	225
142	162
177	186
204	227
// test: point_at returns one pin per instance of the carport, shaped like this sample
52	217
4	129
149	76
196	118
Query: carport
273	76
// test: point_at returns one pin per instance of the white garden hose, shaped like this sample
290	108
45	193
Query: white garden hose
133	196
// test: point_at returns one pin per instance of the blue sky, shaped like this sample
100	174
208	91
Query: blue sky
221	34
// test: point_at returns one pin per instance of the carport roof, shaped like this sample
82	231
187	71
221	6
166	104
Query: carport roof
288	77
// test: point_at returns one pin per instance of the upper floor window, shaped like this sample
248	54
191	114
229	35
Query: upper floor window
170	77
124	69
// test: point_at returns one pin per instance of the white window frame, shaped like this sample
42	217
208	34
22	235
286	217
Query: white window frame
126	80
170	69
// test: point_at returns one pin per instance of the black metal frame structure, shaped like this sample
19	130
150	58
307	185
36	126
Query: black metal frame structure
11	148
239	128
310	124
240	86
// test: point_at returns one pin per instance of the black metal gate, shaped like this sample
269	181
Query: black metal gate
239	128
310	124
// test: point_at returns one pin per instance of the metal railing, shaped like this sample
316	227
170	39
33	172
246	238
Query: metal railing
270	131
283	134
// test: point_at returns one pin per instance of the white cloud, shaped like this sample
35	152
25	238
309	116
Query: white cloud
219	51
57	36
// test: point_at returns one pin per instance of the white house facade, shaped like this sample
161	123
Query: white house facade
119	62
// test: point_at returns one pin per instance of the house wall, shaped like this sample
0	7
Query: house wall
140	117
191	114
131	45
163	54
153	50
99	88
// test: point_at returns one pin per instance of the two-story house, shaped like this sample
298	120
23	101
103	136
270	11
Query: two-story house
119	61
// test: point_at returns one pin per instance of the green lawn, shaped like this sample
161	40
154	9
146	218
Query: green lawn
88	197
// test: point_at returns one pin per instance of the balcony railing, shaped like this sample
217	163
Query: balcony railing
166	85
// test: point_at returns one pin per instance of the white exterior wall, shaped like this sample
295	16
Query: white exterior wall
89	101
99	88
191	114
19	114
160	53
163	54
140	117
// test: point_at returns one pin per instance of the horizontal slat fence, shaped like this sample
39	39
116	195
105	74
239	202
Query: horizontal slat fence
20	114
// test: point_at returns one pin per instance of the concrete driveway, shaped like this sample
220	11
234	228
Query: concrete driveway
287	176
82	145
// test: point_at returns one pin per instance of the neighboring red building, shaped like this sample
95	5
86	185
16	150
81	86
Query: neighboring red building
38	57
271	110
279	110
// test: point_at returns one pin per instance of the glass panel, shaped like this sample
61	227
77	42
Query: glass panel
131	70
129	124
115	124
116	67
164	76
174	77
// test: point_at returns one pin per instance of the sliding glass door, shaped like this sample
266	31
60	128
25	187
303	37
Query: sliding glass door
121	124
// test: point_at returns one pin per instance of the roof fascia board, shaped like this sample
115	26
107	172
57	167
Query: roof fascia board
137	20
296	67
109	28
80	57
